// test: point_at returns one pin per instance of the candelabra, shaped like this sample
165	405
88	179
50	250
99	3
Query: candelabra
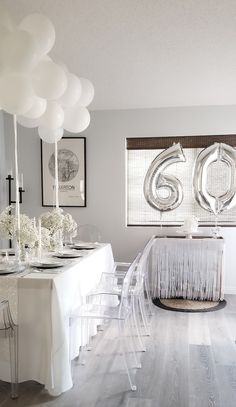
10	178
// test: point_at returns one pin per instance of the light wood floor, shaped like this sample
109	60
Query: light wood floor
190	362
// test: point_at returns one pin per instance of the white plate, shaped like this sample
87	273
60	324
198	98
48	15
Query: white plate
71	255
45	265
9	270
84	246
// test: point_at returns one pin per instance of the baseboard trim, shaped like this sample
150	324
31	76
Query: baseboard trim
230	290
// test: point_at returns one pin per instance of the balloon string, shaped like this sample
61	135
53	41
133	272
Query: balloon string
161	213
17	211
56	176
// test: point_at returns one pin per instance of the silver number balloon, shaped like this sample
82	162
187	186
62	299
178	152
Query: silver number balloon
222	152
155	182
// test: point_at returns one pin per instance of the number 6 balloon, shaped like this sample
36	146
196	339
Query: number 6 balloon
222	152
155	181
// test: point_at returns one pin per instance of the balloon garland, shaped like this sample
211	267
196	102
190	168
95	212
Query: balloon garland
37	91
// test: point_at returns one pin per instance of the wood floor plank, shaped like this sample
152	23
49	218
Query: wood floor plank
134	402
223	344
226	377
199	336
203	386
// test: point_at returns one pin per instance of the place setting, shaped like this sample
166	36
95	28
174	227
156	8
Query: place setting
84	246
8	268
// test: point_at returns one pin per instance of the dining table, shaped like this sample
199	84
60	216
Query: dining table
41	302
187	267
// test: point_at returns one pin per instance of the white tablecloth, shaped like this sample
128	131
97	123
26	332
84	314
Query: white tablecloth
188	268
42	303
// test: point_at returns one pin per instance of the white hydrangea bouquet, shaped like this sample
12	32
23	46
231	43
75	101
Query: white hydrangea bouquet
59	225
27	235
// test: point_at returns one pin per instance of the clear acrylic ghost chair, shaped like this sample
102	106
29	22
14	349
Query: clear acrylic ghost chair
88	233
144	266
120	313
110	284
8	328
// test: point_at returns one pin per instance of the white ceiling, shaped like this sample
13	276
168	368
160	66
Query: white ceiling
145	53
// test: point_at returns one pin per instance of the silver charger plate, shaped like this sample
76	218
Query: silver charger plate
67	255
12	269
44	265
81	246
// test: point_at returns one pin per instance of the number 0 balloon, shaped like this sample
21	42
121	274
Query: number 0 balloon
216	152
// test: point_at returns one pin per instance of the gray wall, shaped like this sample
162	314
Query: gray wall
106	168
3	174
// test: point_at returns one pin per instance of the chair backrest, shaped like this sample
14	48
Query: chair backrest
127	290
6	321
142	269
88	233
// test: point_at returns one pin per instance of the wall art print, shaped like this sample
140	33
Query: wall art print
71	172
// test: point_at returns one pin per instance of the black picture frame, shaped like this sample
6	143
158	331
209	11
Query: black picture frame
71	172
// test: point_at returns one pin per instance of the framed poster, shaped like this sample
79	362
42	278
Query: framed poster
71	172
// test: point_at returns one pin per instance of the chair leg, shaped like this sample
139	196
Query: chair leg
136	324
83	325
123	346
149	300
132	349
88	342
143	315
13	346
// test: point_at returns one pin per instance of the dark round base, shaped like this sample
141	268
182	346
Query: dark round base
181	305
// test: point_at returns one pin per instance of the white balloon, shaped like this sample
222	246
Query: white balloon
46	58
5	19
77	119
6	26
73	91
18	51
27	122
49	80
87	94
53	117
16	93
42	31
49	135
38	108
4	32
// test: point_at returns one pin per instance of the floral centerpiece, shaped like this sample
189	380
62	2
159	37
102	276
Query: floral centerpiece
58	225
9	228
26	235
